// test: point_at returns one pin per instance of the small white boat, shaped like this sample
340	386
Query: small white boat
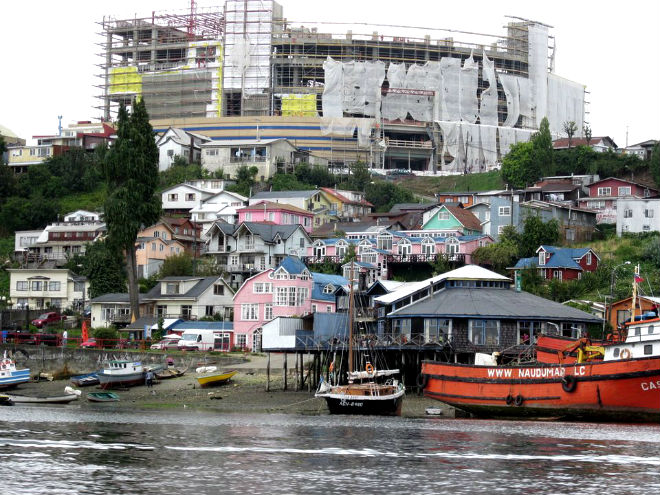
9	375
120	374
55	399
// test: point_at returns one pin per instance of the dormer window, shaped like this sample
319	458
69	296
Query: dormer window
172	288
443	215
329	289
541	257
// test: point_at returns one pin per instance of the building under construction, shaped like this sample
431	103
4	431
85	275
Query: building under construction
410	100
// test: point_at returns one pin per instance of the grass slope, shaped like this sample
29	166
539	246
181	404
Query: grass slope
460	183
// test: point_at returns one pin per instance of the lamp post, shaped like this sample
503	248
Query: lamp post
611	294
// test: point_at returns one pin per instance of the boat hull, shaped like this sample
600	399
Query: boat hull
102	397
85	380
13	378
109	381
374	406
56	399
215	379
624	390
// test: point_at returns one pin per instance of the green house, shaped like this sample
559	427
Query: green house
455	218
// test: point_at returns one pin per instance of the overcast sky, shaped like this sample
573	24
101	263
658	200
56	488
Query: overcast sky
50	53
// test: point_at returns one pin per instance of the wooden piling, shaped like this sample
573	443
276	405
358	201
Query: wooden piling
268	373
285	370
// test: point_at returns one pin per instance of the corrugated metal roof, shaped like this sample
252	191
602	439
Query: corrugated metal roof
492	303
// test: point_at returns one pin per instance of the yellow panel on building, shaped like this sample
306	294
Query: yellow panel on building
299	105
125	80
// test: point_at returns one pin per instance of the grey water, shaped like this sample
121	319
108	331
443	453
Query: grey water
76	450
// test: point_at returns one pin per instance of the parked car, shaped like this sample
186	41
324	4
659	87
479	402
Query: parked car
168	342
93	343
49	318
28	338
90	343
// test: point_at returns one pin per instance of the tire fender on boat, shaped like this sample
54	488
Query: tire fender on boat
422	380
509	399
568	383
625	354
519	400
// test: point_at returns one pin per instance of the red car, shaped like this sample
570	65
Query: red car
48	319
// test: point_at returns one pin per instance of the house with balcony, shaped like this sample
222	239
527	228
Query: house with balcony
555	263
312	200
179	142
286	290
84	134
190	298
114	309
277	213
346	205
637	215
58	242
181	198
554	190
222	206
42	288
250	247
470	310
605	194
228	155
377	253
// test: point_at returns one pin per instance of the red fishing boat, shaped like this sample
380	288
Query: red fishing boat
622	384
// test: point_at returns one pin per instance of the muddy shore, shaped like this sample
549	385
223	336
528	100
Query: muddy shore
246	392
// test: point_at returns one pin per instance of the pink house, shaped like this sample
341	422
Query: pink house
277	213
604	194
381	249
287	290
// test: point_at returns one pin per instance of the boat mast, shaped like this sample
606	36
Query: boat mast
634	294
350	320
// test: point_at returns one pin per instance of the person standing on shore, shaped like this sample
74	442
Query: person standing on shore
150	378
65	335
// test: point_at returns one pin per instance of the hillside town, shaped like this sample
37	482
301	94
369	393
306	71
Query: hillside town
292	195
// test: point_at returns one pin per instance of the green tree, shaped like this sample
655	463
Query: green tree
499	255
517	164
131	172
542	163
383	195
287	182
570	128
178	265
537	233
360	176
245	180
104	266
587	134
19	213
654	164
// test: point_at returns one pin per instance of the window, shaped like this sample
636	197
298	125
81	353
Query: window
436	329
208	311
271	216
589	258
627	213
172	288
313	308
504	211
648	349
241	340
37	285
646	228
329	289
528	331
153	246
648	213
170	153
248	216
161	310
249	312
500	229
428	247
173	197
484	332
624	191
557	275
22	285
341	249
604	191
302	242
622	315
401	327
541	257
319	250
262	288
233	260
385	242
443	215
161	247
328	309
302	295
218	290
186	311
190	197
54	286
268	312
405	248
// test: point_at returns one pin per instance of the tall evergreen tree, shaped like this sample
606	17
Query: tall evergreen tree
543	163
654	164
131	172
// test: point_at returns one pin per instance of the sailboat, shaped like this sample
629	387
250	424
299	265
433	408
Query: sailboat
363	393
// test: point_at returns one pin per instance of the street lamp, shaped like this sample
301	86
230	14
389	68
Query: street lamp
611	294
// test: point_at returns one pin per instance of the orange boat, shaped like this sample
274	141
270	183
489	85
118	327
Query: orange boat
623	383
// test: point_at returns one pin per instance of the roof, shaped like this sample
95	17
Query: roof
576	141
269	205
343	198
203	283
467	272
466	218
284	194
643	186
292	264
321	280
216	142
115	297
412	206
492	303
268	231
560	258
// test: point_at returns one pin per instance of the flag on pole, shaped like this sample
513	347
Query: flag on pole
638	279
